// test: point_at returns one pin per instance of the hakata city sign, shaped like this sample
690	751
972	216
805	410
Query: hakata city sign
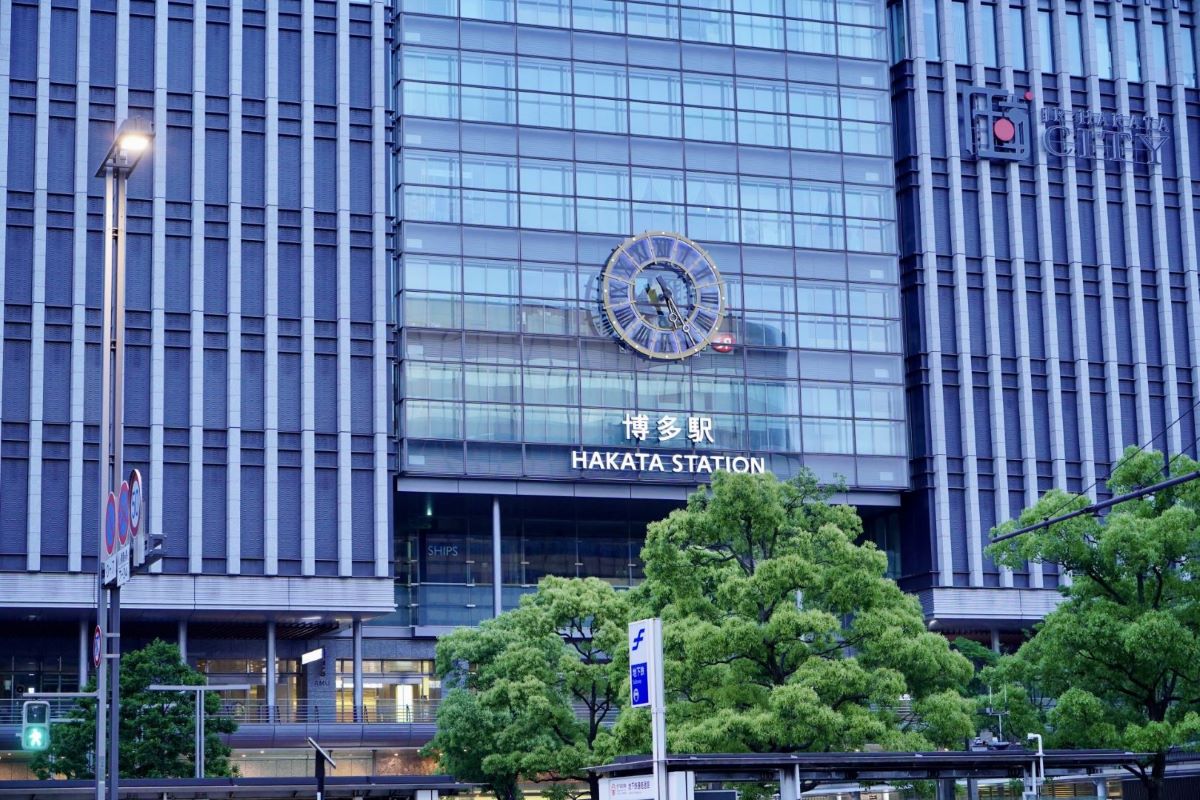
667	427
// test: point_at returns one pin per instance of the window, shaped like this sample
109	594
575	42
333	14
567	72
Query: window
1046	37
1187	53
1163	54
1103	44
929	14
987	35
1133	50
1074	42
958	14
1016	37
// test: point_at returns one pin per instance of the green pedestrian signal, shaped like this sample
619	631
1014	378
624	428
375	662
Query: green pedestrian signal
35	725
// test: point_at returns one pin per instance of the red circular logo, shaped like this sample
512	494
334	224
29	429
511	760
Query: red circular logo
1004	130
723	343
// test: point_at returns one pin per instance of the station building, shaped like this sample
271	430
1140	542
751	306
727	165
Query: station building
430	299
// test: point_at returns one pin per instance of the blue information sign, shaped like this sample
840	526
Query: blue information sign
639	684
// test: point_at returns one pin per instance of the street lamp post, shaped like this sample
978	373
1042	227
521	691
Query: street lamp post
131	142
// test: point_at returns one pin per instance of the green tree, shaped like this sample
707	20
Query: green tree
1003	700
782	633
157	728
1121	653
531	690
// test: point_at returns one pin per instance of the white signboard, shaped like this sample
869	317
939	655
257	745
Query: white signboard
638	787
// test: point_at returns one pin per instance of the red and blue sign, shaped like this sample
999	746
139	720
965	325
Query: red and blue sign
110	524
123	514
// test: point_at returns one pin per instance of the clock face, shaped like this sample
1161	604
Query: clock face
662	295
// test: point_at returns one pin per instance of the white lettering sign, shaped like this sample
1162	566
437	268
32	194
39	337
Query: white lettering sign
618	461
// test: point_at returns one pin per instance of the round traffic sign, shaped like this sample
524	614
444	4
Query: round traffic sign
135	502
110	524
123	514
96	639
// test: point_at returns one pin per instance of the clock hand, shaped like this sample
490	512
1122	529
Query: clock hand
674	316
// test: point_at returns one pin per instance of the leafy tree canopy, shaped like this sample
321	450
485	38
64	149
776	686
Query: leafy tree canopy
1121	654
530	691
157	728
783	634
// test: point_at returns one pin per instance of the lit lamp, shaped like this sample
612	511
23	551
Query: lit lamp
133	139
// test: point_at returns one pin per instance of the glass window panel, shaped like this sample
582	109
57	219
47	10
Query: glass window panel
1046	41
712	27
810	9
657	185
1187	52
862	42
599	114
860	12
431	168
1074	36
708	90
1163	47
603	427
822	233
715	224
595	180
877	336
424	310
603	388
646	19
492	383
430	65
870	235
709	189
598	15
987	35
547	177
824	333
828	436
490	277
432	204
772	8
543	424
1103	45
764	130
553	213
771	397
868	138
599	81
866	201
711	124
768	328
430	99
498	10
489	105
602	216
873	301
1016	37
879	438
767	227
652	119
1133	50
551	386
866	105
825	399
664	390
821	298
958	18
817	198
547	280
654	85
436	381
716	393
813	101
548	316
489	208
493	423
657	217
770	96
929	17
772	195
553	13
489	314
489	172
751	30
811	133
878	402
774	433
546	110
489	70
428	420
432	274
806	36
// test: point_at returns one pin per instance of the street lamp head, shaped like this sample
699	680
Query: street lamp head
133	139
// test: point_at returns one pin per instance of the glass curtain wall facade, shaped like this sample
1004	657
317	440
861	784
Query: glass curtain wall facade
1052	298
533	139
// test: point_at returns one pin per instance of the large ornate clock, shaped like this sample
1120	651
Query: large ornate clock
662	295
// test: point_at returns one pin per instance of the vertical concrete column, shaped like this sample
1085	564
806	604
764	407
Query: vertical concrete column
995	640
272	674
358	672
497	573
1101	788
945	789
972	789
789	784
84	641
183	637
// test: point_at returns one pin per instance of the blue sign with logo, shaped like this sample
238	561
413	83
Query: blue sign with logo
639	685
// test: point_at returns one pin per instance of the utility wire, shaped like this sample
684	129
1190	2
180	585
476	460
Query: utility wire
1052	519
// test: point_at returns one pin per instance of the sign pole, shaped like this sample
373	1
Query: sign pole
646	689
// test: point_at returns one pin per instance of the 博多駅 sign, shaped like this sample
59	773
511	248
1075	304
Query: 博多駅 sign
667	427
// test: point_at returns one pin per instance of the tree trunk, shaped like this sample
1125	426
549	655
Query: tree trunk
594	785
1158	777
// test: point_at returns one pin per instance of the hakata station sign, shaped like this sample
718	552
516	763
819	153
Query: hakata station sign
668	427
122	541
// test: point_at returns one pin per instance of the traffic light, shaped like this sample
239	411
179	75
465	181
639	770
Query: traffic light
35	725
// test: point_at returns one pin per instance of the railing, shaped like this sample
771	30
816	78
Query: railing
60	707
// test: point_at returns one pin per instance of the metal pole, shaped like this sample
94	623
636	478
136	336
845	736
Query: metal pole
359	715
118	233
497	573
658	714
320	777
182	634
272	677
199	734
83	653
99	758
